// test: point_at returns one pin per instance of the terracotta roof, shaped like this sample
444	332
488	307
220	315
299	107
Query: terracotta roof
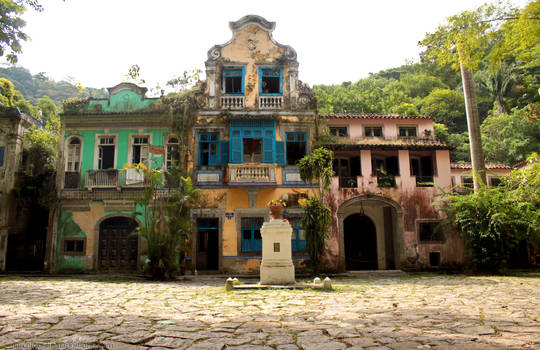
373	116
379	143
488	166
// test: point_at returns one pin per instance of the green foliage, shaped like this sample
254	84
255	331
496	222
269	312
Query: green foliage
33	87
317	165
447	107
167	222
461	151
73	104
317	216
316	220
509	138
48	108
495	222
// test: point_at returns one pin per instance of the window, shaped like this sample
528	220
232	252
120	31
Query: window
373	131
74	155
172	152
251	234
270	81
209	148
296	146
348	169
106	152
495	181
2	151
73	246
430	231
233	81
298	239
252	150
140	150
422	168
340	131
407	131
386	169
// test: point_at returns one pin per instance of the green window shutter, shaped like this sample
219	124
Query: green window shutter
224	149
280	152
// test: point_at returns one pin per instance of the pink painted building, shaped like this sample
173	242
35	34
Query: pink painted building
388	170
462	178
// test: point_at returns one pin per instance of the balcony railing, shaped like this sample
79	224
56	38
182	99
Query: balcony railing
386	180
348	182
232	102
72	179
102	178
424	181
252	173
270	102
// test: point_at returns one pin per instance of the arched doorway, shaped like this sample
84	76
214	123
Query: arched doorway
360	243
118	245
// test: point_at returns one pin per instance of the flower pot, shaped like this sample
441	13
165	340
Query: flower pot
276	211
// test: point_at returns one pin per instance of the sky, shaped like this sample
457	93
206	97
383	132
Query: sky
94	42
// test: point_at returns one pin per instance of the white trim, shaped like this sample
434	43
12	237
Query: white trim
131	136
96	148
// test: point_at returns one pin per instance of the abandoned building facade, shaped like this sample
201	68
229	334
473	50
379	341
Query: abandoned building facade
253	122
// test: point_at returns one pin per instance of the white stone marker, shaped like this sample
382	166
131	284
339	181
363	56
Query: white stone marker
276	265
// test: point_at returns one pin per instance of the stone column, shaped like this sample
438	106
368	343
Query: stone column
276	265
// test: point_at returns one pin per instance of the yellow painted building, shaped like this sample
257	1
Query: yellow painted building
256	124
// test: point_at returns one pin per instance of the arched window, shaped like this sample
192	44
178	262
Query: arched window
172	152
74	155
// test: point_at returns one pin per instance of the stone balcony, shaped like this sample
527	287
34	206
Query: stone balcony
251	173
270	102
232	102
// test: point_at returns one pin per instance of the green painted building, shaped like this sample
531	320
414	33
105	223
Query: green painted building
97	214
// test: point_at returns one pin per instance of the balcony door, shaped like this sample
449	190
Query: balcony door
106	150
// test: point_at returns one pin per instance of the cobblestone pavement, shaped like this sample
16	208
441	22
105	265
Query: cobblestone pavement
407	312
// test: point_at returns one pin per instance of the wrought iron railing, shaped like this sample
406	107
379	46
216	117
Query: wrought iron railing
72	179
386	180
270	102
424	181
348	182
232	102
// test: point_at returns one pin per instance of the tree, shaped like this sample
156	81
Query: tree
509	138
446	106
11	25
317	216
167	222
498	83
500	224
463	42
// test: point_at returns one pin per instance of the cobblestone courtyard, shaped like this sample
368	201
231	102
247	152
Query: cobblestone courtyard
408	312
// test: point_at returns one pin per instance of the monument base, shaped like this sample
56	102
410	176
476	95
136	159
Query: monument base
277	272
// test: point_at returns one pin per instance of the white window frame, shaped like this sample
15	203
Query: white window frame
131	144
67	152
167	144
98	137
410	127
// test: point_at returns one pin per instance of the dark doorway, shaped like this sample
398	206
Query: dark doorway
27	237
207	244
118	245
360	238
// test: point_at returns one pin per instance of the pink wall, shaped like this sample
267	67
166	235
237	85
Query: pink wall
390	126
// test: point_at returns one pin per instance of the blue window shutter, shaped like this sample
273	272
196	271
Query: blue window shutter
235	147
259	71
268	148
281	81
2	155
280	152
243	74
224	149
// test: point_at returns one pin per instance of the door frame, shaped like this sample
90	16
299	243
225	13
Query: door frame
358	232
97	237
206	214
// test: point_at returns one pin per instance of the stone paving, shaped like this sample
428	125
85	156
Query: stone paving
408	312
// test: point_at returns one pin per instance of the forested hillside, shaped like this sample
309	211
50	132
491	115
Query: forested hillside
507	79
33	87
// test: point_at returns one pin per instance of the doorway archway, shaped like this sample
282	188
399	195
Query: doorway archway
360	237
118	247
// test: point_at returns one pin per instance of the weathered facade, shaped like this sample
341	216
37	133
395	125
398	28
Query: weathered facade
388	170
254	120
13	127
97	213
257	124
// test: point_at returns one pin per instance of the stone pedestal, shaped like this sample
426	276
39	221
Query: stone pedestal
276	265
